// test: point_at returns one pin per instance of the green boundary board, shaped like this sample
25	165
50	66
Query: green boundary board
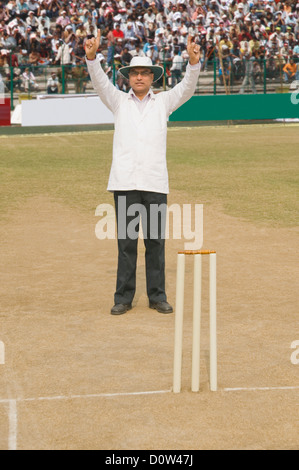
238	107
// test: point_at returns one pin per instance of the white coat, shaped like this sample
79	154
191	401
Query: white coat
139	145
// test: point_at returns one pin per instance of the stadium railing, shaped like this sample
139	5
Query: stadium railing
218	76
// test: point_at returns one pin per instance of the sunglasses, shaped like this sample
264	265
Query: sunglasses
143	73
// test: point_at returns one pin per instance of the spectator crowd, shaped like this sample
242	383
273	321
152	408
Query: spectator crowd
37	33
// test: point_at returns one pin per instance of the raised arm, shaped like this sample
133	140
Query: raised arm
109	95
184	90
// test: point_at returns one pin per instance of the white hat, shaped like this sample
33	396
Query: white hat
177	16
142	62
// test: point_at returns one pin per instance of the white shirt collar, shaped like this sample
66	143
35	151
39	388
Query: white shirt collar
149	95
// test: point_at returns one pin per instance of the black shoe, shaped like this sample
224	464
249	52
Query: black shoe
119	309
162	307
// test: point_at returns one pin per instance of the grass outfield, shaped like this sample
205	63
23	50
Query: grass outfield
249	171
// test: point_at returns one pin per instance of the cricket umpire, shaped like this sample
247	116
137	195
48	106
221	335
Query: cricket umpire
139	170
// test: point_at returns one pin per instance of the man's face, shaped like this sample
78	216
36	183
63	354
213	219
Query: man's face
141	79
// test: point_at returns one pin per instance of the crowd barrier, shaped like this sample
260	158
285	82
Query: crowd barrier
216	78
5	112
212	100
239	107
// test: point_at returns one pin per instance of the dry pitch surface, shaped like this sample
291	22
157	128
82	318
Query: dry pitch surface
77	378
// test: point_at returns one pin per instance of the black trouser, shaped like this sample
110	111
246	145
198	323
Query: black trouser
154	241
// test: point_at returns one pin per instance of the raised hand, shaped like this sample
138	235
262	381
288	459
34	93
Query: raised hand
193	50
91	46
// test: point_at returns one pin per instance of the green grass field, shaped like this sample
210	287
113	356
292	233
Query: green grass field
250	172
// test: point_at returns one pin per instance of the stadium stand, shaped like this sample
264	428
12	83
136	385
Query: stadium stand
252	40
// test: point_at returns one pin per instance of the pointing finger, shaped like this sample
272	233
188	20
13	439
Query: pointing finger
99	37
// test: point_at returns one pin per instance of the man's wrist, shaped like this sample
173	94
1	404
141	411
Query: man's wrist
195	66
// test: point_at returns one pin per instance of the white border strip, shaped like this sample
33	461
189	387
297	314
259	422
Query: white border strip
13	425
254	389
13	415
12	402
96	395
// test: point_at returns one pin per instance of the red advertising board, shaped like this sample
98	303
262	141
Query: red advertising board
4	112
